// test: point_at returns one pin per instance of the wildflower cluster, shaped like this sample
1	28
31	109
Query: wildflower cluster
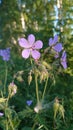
41	69
31	48
57	47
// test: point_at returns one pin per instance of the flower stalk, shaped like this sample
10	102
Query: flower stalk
6	72
45	89
37	91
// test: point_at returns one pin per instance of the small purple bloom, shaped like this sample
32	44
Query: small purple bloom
1	114
30	47
5	53
63	60
29	102
53	43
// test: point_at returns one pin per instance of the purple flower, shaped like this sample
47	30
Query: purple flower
63	60
5	53
30	47
53	43
1	114
29	102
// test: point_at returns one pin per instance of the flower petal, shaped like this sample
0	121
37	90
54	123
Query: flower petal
29	102
64	64
55	40
50	42
38	44
64	55
1	114
25	53
31	39
63	60
58	47
5	53
23	43
35	54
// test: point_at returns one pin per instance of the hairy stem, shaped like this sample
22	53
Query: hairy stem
37	92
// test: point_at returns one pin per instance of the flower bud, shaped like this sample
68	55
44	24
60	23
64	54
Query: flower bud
12	88
29	79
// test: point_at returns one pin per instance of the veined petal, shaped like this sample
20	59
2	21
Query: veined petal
38	44
58	47
55	40
25	53
50	42
63	60
35	54
64	55
23	43
31	39
64	64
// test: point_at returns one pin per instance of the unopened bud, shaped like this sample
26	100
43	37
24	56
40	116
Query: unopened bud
12	88
29	79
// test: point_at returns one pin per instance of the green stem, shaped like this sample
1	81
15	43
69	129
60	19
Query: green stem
33	127
31	61
6	71
6	125
45	89
11	123
37	93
